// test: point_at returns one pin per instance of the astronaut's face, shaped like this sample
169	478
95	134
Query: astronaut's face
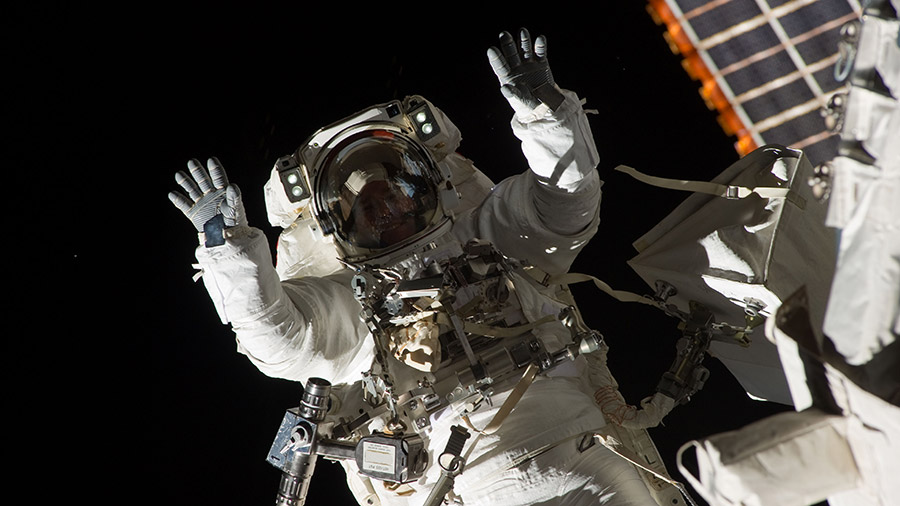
383	215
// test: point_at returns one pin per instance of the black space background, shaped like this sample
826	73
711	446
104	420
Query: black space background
135	388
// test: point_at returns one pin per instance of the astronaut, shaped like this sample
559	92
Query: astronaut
411	282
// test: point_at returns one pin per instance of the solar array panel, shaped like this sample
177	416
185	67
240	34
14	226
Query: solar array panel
766	65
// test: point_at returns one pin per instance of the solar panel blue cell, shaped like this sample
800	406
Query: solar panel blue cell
822	151
743	46
689	5
826	80
777	100
819	47
745	63
724	16
797	129
813	16
760	73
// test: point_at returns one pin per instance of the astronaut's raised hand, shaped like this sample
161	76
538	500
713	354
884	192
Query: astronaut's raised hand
208	200
525	79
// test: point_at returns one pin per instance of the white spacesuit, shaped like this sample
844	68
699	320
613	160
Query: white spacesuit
386	192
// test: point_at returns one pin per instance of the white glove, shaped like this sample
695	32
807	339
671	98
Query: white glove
210	199
524	74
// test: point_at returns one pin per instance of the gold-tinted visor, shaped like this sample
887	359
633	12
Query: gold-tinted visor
378	188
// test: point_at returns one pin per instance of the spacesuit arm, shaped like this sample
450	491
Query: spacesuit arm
549	212
563	158
559	146
556	138
292	330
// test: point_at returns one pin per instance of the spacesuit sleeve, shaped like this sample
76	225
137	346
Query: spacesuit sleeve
548	213
293	329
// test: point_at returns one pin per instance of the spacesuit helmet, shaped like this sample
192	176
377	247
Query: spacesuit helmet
373	181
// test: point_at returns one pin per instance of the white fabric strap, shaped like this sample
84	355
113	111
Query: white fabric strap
693	480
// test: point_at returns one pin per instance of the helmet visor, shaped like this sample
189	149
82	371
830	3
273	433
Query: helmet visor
376	185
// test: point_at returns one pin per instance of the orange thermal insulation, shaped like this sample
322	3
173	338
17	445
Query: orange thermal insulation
693	64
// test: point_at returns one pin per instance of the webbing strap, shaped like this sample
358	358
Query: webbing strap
492	331
504	411
524	382
574	277
731	192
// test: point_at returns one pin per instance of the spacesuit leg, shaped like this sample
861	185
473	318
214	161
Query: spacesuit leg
598	476
565	476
